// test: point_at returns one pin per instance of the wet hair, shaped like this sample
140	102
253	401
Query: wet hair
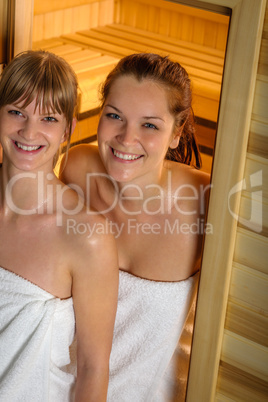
175	79
45	77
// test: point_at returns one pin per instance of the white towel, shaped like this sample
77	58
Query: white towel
149	323
36	330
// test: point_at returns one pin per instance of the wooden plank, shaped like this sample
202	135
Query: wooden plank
258	144
106	11
222	34
251	250
94	15
89	85
152	19
94	64
81	55
158	41
47	44
255	165
260	110
254	209
263	60
42	7
245	355
67	21
250	287
85	128
38	28
185	10
166	39
164	18
64	50
198	67
236	385
199	31
23	34
141	12
259	128
210	36
247	323
109	49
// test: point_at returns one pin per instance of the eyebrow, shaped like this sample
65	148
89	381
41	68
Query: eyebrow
144	117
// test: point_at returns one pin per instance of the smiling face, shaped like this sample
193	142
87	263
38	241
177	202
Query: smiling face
30	137
135	130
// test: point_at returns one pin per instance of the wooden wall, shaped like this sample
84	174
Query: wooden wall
55	18
184	23
243	372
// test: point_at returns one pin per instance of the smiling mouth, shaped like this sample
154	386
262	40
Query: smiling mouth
27	147
125	156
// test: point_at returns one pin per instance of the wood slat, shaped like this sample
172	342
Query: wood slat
203	69
236	385
263	60
94	64
247	323
251	250
169	46
111	50
64	50
260	110
258	144
250	287
47	44
42	7
245	355
165	39
185	10
81	55
254	210
256	165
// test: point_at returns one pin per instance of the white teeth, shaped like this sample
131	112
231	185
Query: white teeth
26	148
126	157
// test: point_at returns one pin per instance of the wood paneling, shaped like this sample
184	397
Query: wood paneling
58	18
175	20
236	385
243	374
213	342
48	6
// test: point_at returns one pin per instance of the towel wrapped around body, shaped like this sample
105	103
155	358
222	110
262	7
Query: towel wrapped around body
36	330
150	357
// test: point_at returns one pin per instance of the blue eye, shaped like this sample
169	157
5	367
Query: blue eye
50	118
15	112
113	116
150	125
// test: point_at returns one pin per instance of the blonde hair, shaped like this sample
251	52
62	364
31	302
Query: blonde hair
45	77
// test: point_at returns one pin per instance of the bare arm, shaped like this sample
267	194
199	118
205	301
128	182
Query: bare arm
95	291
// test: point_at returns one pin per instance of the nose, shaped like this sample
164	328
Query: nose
28	130
128	135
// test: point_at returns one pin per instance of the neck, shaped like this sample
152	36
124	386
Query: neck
145	196
25	192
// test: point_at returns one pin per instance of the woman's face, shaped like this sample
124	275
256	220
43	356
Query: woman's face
135	130
29	138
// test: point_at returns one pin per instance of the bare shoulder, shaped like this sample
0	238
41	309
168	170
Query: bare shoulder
188	175
81	159
89	241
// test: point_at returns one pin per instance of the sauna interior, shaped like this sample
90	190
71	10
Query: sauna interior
93	35
230	349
